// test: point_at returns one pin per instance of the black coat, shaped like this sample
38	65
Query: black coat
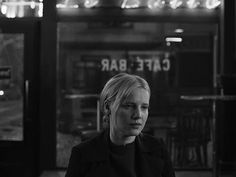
91	158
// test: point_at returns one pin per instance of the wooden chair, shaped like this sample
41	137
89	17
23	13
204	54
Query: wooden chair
188	141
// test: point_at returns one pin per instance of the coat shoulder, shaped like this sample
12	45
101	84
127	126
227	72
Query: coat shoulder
89	144
152	144
94	149
151	139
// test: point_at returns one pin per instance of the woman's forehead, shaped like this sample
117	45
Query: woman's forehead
138	94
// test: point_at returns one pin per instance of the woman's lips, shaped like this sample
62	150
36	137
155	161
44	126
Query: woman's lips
135	125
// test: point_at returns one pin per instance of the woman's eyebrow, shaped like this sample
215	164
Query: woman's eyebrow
130	102
146	104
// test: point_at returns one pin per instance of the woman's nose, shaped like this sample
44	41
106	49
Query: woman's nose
137	113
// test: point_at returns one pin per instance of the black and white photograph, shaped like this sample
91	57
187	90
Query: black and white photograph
117	88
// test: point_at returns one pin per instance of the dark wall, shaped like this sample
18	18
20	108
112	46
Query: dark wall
226	130
226	125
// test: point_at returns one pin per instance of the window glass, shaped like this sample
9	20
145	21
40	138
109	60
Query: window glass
11	86
175	59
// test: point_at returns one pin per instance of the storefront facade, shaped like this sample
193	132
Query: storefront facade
179	50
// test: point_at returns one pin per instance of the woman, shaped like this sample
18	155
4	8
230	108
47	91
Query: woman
121	150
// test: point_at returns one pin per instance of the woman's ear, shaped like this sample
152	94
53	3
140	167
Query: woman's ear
107	108
106	116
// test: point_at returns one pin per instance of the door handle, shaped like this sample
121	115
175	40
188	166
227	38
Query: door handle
26	110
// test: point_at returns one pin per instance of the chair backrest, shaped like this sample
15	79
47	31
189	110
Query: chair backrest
194	124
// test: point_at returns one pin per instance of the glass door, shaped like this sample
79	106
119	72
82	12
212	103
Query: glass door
18	110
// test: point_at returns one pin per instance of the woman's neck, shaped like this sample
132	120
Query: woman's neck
119	139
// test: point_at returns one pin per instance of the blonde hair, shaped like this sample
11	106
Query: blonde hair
118	88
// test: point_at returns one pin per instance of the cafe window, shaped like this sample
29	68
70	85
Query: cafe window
174	58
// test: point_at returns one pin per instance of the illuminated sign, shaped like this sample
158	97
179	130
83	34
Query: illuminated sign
138	63
132	4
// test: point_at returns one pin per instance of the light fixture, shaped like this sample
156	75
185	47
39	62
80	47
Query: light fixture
1	92
173	39
179	30
168	43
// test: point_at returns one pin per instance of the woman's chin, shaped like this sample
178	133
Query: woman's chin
134	132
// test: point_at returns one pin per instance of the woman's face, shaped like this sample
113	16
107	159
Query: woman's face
131	115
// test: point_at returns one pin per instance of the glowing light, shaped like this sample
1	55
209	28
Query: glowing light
19	3
75	6
12	9
40	11
155	4
179	30
32	5
11	12
1	92
4	9
193	3
19	8
21	12
90	3
61	6
211	4
174	39
130	4
67	6
11	16
174	4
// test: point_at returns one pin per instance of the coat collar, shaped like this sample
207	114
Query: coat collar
147	151
144	144
100	146
99	151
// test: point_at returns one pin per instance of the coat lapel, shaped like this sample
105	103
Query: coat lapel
149	161
148	157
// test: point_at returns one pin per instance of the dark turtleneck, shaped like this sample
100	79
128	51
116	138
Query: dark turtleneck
122	159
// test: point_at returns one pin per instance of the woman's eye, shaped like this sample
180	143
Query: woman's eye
127	106
145	107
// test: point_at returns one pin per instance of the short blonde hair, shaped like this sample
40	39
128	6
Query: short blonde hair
119	87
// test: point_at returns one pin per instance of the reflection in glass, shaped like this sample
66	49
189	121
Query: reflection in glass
90	53
11	85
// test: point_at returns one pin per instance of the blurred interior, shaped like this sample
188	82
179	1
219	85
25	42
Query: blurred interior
90	53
